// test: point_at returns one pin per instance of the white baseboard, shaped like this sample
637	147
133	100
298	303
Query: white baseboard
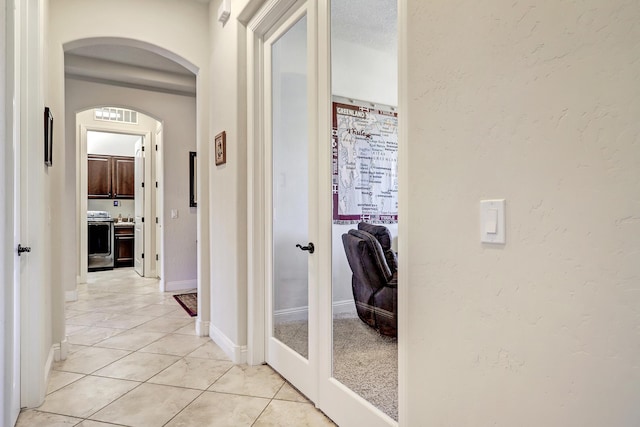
237	353
71	296
345	306
302	313
64	349
202	328
55	348
181	285
291	314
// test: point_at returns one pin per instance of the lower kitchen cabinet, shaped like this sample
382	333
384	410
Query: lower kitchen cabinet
124	246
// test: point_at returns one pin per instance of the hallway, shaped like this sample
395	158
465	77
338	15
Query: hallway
134	360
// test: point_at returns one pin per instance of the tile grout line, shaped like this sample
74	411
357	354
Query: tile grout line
270	400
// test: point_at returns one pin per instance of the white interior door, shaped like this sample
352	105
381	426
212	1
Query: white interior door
10	226
138	257
292	224
159	200
13	300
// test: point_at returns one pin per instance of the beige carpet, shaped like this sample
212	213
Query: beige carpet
364	360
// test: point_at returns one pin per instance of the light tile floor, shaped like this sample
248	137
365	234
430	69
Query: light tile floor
135	361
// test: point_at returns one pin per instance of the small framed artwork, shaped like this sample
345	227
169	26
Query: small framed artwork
221	148
48	137
193	182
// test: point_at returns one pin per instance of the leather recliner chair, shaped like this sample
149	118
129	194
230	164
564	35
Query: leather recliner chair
375	276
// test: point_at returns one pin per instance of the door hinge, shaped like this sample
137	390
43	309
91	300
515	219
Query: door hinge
143	185
143	148
22	249
143	255
156	220
156	147
156	257
156	184
142	219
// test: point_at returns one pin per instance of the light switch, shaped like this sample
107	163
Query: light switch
174	213
492	222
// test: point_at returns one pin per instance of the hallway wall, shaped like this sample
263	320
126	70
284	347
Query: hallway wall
178	29
538	103
228	184
179	117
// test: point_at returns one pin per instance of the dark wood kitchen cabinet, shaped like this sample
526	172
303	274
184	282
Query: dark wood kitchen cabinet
99	170
110	177
123	177
124	245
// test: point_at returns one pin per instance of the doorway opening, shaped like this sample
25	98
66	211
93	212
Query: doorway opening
113	199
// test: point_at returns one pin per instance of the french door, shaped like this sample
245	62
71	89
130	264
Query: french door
292	266
291	95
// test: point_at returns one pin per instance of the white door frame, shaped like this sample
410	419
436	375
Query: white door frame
158	174
139	232
340	403
81	191
260	23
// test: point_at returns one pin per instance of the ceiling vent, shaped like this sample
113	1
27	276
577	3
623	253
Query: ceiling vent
119	115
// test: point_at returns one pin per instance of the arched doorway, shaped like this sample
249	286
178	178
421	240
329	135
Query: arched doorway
120	150
134	76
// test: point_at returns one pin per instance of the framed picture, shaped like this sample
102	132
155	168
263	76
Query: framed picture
48	137
193	180
221	148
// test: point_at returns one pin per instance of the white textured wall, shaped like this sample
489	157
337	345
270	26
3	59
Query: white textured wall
362	71
111	144
536	102
228	182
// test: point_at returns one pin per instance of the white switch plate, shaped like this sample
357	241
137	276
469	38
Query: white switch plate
174	213
492	224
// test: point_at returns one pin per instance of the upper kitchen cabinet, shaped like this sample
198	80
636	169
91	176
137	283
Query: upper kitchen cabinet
99	170
110	177
123	177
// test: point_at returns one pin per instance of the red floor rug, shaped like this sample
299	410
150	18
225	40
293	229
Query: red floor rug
189	302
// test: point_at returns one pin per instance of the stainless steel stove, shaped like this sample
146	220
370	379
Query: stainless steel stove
100	242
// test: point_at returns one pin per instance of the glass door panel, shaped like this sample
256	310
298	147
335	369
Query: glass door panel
290	189
364	299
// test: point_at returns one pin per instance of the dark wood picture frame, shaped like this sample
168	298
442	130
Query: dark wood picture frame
193	179
48	137
220	148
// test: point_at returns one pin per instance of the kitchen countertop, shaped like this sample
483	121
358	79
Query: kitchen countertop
123	224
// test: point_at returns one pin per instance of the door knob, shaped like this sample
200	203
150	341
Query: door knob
309	248
23	249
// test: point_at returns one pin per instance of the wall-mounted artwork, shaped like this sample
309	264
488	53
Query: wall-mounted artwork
48	137
193	179
221	148
365	162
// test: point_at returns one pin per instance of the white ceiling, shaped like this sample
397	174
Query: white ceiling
131	56
371	23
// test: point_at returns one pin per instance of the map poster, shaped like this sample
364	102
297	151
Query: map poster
365	164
